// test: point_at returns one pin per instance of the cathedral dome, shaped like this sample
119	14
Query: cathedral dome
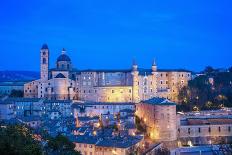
63	61
63	57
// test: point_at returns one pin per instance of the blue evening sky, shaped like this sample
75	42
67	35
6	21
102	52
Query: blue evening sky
188	34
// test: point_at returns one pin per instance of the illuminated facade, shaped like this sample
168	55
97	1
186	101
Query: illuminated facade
159	115
163	124
129	85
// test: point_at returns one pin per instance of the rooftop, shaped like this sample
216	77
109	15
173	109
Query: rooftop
30	118
159	101
101	103
57	101
22	99
119	142
114	141
142	71
44	46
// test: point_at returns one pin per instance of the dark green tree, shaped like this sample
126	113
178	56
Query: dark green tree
208	70
230	69
18	140
205	95
61	145
16	93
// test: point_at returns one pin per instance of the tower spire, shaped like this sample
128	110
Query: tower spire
134	62
134	65
63	51
154	66
154	62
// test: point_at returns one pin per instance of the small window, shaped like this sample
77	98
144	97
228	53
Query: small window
44	61
199	130
209	129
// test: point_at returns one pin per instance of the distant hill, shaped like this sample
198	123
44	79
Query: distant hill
18	75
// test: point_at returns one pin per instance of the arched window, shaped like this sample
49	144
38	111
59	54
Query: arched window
44	61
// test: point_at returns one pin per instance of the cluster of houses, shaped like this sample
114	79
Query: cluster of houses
99	128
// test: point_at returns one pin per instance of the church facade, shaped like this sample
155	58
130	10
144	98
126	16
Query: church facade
64	82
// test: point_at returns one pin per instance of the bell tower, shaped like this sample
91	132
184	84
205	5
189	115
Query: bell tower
44	62
135	88
154	79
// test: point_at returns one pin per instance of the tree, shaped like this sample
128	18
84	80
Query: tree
16	93
205	96
208	70
140	126
162	151
61	145
18	140
230	69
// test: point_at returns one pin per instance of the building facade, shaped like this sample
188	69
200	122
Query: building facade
98	109
187	129
8	86
159	115
129	85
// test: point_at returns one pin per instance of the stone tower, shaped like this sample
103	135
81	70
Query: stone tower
44	62
135	87
154	79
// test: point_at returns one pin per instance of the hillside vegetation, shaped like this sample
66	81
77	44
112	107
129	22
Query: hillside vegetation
211	90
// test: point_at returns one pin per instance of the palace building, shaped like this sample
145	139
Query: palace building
129	85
